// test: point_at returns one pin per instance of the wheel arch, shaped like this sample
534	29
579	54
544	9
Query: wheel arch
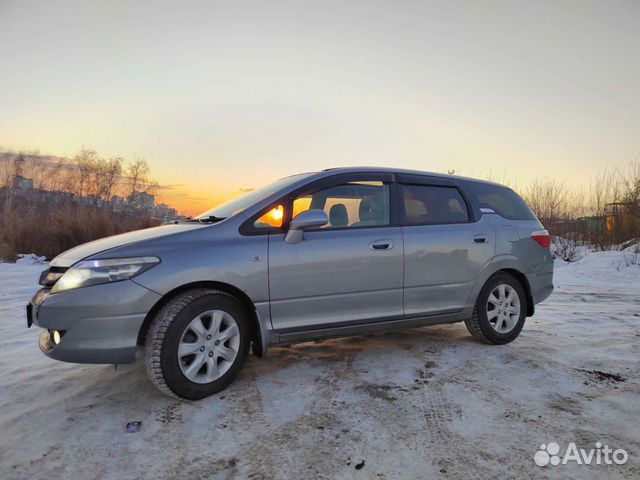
522	278
259	333
503	264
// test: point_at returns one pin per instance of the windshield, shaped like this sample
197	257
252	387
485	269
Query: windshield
237	205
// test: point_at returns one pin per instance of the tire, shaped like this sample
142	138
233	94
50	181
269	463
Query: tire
175	326
487	330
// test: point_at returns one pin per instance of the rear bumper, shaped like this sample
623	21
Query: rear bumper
541	286
100	324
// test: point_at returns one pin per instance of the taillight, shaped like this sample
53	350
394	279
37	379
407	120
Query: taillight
542	238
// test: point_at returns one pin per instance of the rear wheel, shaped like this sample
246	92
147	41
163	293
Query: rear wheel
197	344
500	311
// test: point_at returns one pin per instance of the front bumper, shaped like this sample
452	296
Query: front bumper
100	323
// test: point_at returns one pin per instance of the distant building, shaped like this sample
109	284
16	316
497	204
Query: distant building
617	209
622	216
23	183
594	222
56	197
94	200
135	204
142	200
165	213
117	203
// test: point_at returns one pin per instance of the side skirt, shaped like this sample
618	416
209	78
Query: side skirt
366	328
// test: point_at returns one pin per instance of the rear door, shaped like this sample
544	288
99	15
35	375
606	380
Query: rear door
445	247
345	273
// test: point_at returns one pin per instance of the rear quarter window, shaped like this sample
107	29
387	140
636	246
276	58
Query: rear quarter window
502	200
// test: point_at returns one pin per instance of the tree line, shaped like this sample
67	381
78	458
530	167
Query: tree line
87	173
56	214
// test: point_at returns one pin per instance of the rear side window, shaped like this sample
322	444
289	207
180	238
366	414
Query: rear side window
502	200
430	205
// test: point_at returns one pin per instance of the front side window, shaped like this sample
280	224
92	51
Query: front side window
431	205
272	219
349	205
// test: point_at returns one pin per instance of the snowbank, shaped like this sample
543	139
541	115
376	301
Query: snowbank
611	269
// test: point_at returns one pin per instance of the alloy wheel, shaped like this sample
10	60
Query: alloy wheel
208	346
503	308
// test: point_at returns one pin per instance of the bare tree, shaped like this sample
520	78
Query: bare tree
605	192
18	169
7	169
52	178
107	174
45	172
548	199
631	185
137	172
566	247
628	225
85	162
153	187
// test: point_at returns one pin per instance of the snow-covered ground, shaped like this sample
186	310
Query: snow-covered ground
423	403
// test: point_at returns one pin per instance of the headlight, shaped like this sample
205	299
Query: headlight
93	272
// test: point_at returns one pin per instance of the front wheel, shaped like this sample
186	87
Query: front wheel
500	311
197	344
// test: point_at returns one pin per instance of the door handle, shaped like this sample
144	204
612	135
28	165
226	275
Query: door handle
480	239
381	245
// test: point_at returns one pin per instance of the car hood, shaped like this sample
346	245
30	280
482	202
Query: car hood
68	258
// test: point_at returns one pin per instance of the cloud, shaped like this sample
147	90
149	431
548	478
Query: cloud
188	196
170	186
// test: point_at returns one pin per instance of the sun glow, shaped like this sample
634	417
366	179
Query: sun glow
273	217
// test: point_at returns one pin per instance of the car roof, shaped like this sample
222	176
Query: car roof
368	169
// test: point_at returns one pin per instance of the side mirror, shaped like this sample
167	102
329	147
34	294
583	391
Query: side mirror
304	221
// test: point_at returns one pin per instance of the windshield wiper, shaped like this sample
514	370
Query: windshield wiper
207	219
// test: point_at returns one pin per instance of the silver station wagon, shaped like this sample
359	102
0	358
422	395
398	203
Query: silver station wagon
343	251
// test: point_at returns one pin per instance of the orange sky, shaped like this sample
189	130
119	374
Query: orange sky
225	96
188	203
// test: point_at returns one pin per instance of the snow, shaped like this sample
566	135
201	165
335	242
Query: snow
420	403
609	269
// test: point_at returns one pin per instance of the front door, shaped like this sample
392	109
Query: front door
345	273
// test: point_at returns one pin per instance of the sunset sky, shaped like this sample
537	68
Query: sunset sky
221	96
